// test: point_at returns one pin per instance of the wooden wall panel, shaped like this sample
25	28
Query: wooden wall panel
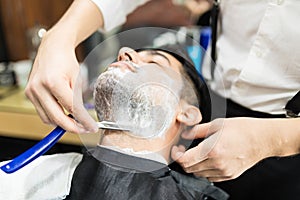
17	16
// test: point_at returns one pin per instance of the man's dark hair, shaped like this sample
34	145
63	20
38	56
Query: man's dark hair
201	89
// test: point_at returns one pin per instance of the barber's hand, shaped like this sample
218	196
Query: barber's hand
231	146
51	85
198	7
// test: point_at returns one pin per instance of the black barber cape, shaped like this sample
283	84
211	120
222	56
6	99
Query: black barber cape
100	179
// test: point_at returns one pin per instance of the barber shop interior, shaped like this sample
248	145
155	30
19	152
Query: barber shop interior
149	99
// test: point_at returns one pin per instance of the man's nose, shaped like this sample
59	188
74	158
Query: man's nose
128	54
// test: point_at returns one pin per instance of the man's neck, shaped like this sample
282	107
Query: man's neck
128	143
141	154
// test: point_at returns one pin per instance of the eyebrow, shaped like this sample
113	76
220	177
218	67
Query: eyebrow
156	53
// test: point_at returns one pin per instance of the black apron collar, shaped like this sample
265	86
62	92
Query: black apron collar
126	161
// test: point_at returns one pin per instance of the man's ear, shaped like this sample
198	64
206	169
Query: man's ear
189	115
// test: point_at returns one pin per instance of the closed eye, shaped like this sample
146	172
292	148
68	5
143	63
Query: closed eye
154	62
157	63
156	53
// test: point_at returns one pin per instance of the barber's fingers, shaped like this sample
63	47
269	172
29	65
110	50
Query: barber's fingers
51	106
177	152
208	173
188	158
203	130
70	98
202	167
206	168
213	175
38	107
48	98
219	179
198	131
79	112
51	98
198	7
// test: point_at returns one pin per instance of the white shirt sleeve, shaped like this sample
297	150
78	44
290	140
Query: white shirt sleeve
114	12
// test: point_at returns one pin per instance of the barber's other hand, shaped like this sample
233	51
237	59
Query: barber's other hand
198	7
51	86
231	146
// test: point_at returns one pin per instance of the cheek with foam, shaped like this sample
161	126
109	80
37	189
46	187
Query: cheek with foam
150	111
103	92
145	101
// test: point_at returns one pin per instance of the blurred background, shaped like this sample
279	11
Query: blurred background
22	24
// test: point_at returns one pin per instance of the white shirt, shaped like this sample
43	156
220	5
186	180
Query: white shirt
258	49
114	12
259	53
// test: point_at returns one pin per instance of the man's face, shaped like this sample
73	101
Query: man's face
140	89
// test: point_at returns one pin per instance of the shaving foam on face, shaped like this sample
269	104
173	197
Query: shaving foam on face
116	72
150	102
145	100
103	91
152	109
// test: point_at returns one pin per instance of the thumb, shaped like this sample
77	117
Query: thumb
177	152
202	130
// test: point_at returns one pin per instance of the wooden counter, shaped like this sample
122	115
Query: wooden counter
18	119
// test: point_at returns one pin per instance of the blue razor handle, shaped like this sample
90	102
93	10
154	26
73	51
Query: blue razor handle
34	152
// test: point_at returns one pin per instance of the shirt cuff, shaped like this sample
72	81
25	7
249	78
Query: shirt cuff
114	12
